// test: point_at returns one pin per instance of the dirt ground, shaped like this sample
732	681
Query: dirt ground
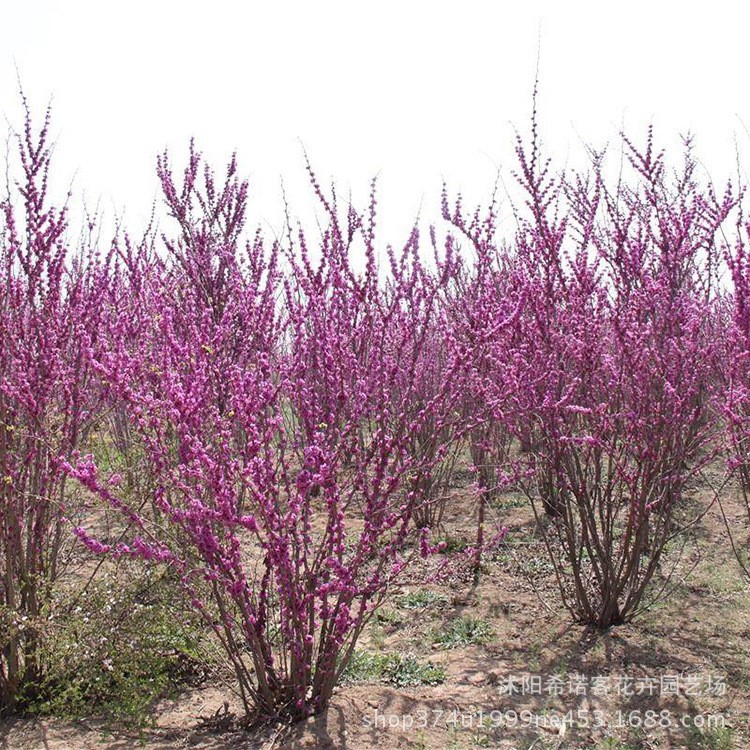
677	677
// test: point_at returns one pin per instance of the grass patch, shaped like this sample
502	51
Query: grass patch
464	631
610	743
389	617
452	544
720	738
421	599
401	670
507	502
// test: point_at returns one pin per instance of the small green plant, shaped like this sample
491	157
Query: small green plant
115	648
377	635
481	739
610	743
535	651
421	599
711	738
506	502
389	617
465	631
452	544
454	737
536	565
401	670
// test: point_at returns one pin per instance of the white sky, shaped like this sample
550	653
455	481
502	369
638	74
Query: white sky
413	91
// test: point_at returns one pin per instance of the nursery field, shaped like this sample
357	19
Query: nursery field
488	486
435	667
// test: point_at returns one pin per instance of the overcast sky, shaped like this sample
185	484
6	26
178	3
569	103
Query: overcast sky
411	91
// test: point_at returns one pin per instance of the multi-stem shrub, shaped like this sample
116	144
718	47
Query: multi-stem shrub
620	295
274	417
483	301
49	398
736	374
436	446
282	421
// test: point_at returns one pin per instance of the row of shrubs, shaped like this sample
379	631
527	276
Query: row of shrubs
276	423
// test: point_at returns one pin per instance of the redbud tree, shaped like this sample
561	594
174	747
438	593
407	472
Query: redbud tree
274	407
287	414
484	300
50	296
621	314
736	375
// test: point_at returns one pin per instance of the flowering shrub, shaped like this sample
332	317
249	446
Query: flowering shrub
484	302
620	289
49	399
117	646
277	441
278	423
736	375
